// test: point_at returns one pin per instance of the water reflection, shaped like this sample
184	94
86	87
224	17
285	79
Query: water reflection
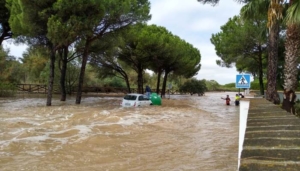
185	133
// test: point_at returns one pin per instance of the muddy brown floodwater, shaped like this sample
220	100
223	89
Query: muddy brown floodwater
186	133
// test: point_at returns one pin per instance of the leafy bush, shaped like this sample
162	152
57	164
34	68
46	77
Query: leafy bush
255	84
229	85
115	82
193	86
7	90
211	85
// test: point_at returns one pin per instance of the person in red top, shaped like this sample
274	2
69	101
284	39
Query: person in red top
227	100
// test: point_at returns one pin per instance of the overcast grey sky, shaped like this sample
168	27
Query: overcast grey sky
193	22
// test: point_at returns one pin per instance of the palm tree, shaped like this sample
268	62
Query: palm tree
292	44
274	10
274	15
292	47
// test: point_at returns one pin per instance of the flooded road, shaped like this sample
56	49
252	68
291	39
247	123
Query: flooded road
186	133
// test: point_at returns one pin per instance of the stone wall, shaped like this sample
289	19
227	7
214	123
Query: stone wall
272	139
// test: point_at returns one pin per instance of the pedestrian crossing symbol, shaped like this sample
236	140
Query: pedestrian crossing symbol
242	81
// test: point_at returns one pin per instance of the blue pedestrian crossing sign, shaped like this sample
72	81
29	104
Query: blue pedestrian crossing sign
242	81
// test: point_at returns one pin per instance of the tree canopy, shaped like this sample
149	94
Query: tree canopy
194	86
243	43
110	35
152	47
5	31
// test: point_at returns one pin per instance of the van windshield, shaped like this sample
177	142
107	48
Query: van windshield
130	97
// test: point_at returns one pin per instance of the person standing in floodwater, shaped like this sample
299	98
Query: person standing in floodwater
237	99
227	100
148	91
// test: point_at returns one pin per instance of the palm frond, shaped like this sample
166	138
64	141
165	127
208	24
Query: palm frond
293	13
253	8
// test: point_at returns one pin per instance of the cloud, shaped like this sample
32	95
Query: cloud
204	24
15	50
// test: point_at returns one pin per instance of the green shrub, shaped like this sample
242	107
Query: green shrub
193	86
7	90
229	85
255	84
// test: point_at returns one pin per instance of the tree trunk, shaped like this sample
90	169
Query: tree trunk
127	81
6	32
158	82
292	45
125	77
272	94
63	72
163	91
51	76
1	39
140	80
289	100
128	85
260	73
261	82
82	71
